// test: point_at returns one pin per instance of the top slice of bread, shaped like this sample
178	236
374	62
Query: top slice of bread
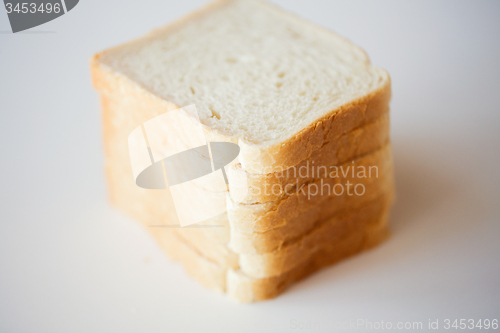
259	77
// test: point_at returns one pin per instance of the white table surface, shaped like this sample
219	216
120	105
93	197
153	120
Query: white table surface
70	263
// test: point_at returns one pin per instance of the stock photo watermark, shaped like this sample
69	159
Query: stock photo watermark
365	324
25	15
171	152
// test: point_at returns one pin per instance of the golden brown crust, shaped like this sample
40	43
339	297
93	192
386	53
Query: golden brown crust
262	218
250	188
265	242
325	235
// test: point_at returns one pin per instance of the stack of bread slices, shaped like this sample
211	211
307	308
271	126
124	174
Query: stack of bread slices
313	181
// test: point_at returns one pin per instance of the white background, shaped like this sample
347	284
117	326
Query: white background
70	263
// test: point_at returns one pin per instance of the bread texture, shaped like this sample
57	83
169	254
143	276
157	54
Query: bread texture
280	87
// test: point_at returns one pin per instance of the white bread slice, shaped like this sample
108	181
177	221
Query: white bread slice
276	85
272	215
249	188
326	234
275	239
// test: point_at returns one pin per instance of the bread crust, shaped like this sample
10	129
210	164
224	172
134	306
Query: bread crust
281	156
249	188
265	217
244	289
325	235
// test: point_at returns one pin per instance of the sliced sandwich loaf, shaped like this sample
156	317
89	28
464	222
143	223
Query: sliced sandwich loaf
291	95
